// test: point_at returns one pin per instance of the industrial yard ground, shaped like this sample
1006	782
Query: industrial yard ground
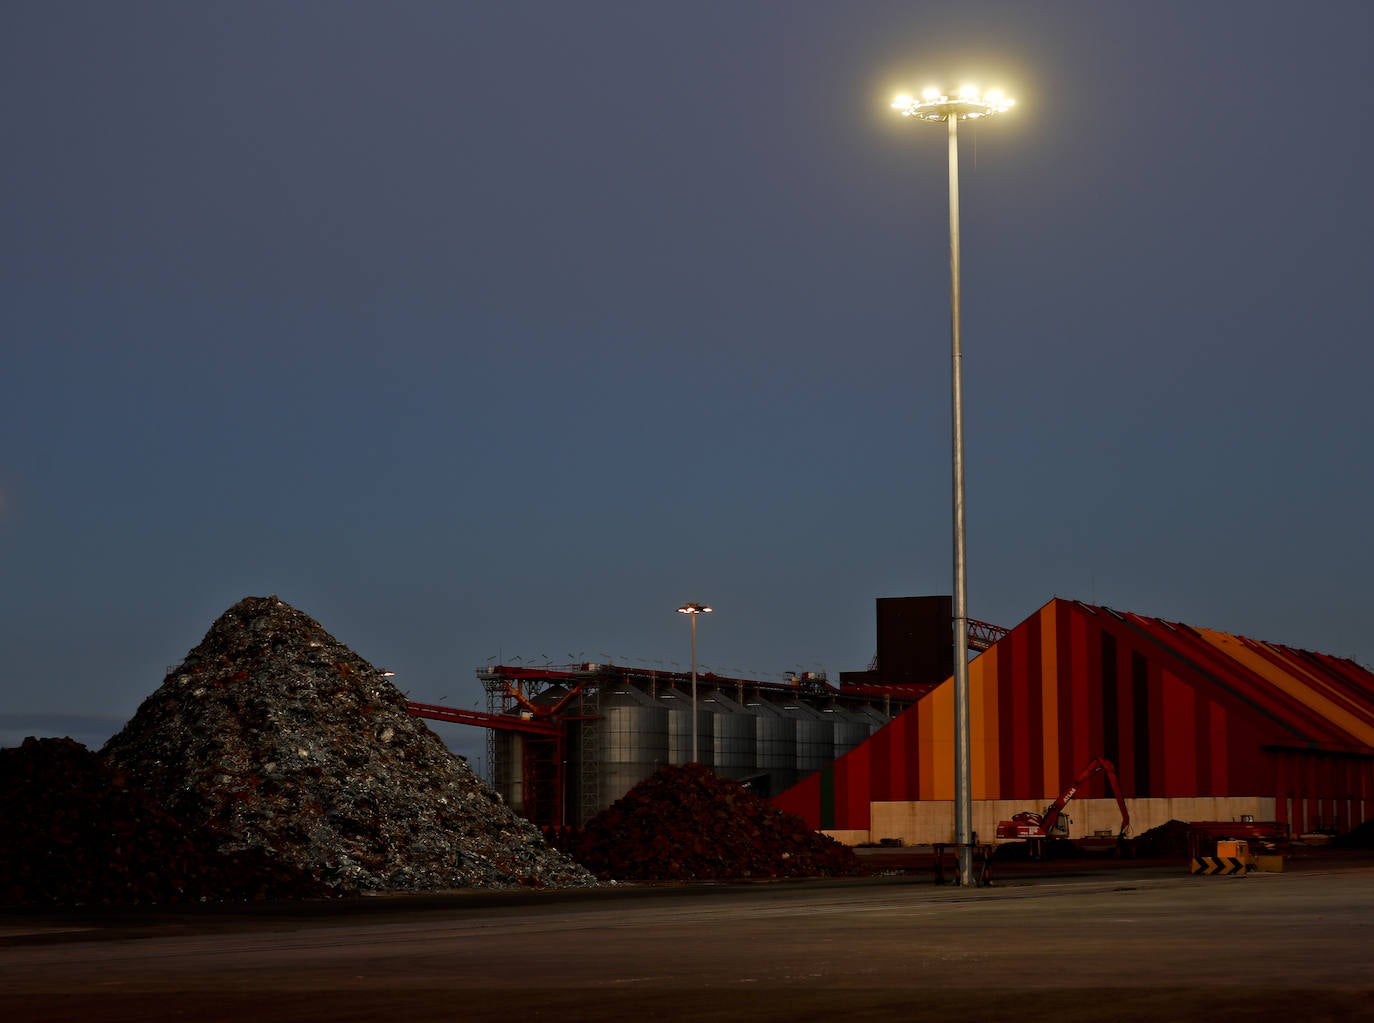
1095	940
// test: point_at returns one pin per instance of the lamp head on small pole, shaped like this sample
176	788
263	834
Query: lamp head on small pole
693	609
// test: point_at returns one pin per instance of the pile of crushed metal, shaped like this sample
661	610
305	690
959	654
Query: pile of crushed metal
274	744
78	833
686	823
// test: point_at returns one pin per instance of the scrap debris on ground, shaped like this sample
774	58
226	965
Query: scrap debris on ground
687	823
272	743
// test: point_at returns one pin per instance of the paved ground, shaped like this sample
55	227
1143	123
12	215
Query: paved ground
1150	943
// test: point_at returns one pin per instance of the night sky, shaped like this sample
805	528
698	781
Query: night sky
485	331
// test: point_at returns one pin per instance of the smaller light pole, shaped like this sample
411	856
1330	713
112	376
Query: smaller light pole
692	610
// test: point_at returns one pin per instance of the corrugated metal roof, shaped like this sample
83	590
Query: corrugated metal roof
1323	701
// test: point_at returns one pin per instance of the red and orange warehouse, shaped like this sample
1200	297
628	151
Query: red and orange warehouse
1201	725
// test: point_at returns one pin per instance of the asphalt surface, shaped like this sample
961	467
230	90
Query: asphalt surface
1068	944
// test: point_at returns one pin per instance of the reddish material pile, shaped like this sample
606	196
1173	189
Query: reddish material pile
686	823
78	833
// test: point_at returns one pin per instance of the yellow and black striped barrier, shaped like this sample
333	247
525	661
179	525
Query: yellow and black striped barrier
1232	865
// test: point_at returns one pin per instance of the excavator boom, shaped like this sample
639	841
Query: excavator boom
1029	824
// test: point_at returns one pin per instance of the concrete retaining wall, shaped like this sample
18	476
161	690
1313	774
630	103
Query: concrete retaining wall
927	821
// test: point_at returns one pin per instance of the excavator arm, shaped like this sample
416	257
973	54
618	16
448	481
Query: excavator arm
1051	815
1029	824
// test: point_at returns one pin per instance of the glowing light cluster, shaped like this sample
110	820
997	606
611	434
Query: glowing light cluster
969	103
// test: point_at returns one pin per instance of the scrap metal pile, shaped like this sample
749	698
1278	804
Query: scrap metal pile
273	743
77	832
687	823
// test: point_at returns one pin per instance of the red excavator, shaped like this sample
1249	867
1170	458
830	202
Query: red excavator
1035	828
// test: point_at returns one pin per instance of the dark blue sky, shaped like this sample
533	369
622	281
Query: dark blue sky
483	330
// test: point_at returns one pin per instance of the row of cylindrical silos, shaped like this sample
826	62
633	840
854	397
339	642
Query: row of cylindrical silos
768	742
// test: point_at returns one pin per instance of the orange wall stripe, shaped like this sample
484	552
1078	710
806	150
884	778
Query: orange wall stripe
1014	723
942	749
1049	697
925	744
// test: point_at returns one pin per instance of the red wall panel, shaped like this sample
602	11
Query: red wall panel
1182	717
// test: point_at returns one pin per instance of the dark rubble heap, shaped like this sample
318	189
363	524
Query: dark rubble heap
277	740
1169	839
1359	837
687	823
78	833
